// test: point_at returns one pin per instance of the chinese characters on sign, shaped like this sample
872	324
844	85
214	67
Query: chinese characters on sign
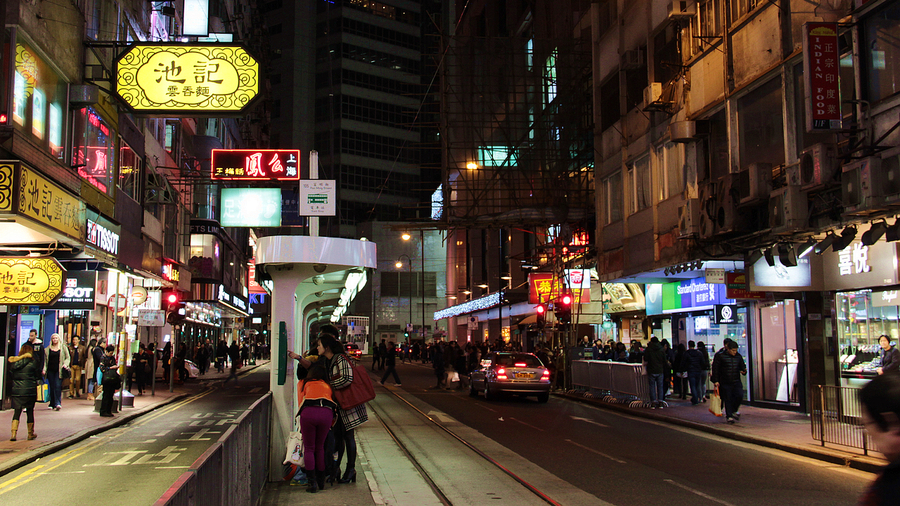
170	272
44	201
544	287
27	280
256	164
251	207
317	197
854	260
187	78
821	71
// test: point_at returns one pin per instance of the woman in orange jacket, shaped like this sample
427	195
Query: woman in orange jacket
317	414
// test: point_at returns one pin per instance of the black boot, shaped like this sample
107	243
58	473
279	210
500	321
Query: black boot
349	475
320	479
313	477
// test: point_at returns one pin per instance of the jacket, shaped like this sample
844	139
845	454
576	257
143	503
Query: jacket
728	368
695	361
341	377
25	377
82	355
655	358
63	358
890	362
315	393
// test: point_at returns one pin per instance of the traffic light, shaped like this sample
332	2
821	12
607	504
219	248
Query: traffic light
174	308
563	308
540	315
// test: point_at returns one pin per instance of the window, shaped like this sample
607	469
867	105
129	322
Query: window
704	27
740	8
609	102
761	125
881	52
612	190
667	60
93	152
608	15
639	178
635	82
715	149
550	77
130	171
670	177
39	100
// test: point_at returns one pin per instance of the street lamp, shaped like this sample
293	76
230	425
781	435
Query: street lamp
399	265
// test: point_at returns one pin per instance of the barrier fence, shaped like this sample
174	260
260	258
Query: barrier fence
837	417
612	381
233	470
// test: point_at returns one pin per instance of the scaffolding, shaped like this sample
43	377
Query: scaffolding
517	132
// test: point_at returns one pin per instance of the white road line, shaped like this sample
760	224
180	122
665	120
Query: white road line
610	457
701	494
588	420
172	467
163	433
528	425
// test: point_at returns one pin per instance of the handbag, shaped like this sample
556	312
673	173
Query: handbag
294	452
43	391
715	403
65	373
360	391
682	374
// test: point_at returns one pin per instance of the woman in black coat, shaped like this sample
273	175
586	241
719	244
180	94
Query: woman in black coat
890	359
25	377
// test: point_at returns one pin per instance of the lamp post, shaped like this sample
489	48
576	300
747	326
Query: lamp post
399	265
406	236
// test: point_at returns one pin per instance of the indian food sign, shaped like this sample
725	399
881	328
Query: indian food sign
187	79
30	281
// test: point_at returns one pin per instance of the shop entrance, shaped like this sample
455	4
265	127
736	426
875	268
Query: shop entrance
777	353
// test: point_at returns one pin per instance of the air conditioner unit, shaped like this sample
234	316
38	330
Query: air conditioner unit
755	182
707	204
632	59
652	93
890	176
862	189
818	166
689	219
718	207
788	210
681	9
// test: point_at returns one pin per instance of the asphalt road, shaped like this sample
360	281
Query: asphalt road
630	460
135	463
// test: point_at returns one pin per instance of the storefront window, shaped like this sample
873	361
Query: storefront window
862	317
93	153
776	353
206	257
39	98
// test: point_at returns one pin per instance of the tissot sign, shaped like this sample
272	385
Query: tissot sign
256	164
79	292
187	79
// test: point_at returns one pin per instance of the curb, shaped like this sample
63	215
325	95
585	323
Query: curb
861	462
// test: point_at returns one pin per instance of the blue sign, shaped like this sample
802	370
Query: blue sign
693	294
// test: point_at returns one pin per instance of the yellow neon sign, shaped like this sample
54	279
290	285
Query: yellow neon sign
27	280
187	78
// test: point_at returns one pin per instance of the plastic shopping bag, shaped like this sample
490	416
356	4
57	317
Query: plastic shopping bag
43	391
294	453
715	403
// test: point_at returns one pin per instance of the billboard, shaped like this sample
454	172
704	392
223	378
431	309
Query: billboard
255	164
251	207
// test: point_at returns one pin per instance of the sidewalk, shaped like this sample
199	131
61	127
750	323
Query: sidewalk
782	430
77	420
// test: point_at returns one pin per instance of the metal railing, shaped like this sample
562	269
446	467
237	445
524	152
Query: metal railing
837	417
615	382
232	472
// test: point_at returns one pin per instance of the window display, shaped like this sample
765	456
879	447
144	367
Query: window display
862	317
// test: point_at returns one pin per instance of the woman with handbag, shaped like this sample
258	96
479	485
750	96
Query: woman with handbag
25	377
56	364
110	381
317	413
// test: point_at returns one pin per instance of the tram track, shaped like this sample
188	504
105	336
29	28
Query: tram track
432	483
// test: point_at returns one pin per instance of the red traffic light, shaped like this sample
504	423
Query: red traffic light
172	298
540	310
566	299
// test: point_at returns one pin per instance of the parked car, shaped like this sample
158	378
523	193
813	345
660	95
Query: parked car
353	350
514	373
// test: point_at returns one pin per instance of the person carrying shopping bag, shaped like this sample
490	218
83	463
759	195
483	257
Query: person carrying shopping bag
318	412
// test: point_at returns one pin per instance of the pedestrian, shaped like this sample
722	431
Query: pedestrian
881	416
56	360
318	413
96	358
701	346
727	378
437	362
234	353
391	361
180	363
670	360
695	370
138	366
655	363
221	354
78	356
680	367
202	357
620	354
38	347
110	381
890	357
382	355
375	356
25	378
89	369
166	361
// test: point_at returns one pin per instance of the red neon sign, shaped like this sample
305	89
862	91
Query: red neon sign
256	164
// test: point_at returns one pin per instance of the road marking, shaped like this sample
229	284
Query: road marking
172	467
610	457
528	425
442	417
256	390
163	433
588	420
198	436
66	472
150	441
701	494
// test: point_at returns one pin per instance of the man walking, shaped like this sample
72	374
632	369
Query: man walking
391	361
78	354
726	375
655	362
695	371
234	353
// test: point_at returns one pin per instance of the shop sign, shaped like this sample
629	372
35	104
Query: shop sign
544	287
822	72
883	298
692	294
860	266
102	238
653	298
231	299
779	277
79	292
30	280
187	79
170	271
715	276
254	286
255	164
251	207
151	318
623	297
41	200
725	314
736	287
317	197
210	227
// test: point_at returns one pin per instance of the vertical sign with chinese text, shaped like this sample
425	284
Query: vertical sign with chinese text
821	72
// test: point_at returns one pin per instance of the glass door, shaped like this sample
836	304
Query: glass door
777	357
